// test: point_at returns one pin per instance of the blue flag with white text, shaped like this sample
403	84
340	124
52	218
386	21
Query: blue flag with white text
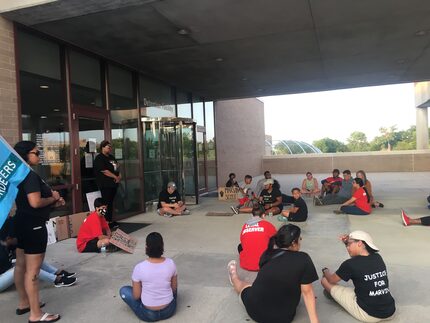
13	170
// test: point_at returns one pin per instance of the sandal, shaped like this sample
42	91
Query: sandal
45	316
21	311
231	269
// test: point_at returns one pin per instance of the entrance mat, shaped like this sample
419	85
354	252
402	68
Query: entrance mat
129	227
219	214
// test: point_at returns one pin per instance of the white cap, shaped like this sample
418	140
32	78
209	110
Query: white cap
268	181
363	236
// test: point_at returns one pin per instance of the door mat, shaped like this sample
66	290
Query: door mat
219	214
129	227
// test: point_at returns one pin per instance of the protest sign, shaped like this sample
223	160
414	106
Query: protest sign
123	241
228	193
13	170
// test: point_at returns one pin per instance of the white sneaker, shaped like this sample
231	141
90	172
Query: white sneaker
234	209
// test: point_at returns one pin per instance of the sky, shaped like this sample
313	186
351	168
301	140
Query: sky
336	114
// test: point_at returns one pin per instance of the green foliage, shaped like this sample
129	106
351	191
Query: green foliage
327	145
357	141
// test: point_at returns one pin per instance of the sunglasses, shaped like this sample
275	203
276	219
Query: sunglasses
37	153
347	243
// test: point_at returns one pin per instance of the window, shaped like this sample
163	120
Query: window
210	145
156	99
183	101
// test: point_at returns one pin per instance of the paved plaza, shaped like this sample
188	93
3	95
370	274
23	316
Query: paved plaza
201	246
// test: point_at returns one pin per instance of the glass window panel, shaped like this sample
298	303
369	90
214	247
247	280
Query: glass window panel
210	145
183	101
44	112
198	113
86	85
121	92
156	99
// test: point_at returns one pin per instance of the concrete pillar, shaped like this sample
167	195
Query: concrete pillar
9	128
422	102
422	128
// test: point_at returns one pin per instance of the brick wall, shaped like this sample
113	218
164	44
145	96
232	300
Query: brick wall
8	89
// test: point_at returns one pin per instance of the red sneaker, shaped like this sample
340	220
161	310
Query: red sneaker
405	219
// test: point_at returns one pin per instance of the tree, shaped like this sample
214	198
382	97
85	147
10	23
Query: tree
357	141
327	145
389	134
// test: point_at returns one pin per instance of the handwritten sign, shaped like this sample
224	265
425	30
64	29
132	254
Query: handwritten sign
228	193
123	241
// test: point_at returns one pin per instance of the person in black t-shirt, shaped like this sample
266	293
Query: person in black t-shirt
370	300
271	198
33	204
170	202
299	211
106	171
285	274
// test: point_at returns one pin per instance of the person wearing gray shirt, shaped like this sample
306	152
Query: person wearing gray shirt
344	194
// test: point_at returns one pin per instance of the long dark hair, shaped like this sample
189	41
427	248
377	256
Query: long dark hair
359	181
154	245
285	237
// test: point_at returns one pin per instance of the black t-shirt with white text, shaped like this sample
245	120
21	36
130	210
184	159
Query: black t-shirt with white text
370	278
270	198
31	184
302	212
276	291
164	196
101	163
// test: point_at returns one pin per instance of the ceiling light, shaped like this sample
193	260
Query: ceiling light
219	59
259	90
401	61
43	117
244	79
44	86
56	110
420	33
183	32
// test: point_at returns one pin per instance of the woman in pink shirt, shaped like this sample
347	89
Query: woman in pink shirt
152	296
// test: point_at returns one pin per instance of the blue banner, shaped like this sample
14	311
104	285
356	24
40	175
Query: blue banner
13	171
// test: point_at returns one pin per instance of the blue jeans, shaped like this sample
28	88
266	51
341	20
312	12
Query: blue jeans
143	313
352	209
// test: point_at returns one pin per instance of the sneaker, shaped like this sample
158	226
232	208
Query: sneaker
66	274
234	209
282	218
167	215
317	201
65	282
405	219
186	212
338	212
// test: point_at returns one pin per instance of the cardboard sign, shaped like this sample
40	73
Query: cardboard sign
51	232
61	224
123	241
228	193
75	222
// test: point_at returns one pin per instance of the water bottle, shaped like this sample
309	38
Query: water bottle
270	214
103	250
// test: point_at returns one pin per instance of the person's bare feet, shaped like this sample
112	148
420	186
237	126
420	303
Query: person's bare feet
232	270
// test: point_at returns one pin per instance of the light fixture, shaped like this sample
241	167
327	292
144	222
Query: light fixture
44	86
260	90
420	33
244	79
43	117
56	110
183	32
401	61
219	59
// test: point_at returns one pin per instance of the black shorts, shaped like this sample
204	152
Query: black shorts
31	234
91	246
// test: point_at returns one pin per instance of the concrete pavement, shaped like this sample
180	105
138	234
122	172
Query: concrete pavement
201	246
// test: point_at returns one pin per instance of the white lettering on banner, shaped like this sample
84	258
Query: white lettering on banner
7	169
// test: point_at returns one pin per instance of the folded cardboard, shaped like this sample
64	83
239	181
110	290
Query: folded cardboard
228	193
75	222
61	224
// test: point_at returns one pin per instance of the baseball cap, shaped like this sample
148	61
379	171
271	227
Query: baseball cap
268	181
363	236
171	184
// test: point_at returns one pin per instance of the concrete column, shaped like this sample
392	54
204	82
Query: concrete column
422	128
8	88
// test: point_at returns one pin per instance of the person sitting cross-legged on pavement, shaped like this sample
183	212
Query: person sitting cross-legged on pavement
152	296
370	299
285	275
94	232
298	212
271	198
359	203
331	184
254	238
170	202
407	221
343	195
260	184
248	198
310	185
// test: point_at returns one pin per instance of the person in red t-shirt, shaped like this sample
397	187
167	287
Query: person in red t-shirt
94	232
359	203
254	239
332	184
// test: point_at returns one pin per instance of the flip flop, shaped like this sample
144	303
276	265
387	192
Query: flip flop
21	311
229	267
44	318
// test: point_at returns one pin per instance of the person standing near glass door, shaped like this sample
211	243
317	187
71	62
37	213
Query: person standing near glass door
106	170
